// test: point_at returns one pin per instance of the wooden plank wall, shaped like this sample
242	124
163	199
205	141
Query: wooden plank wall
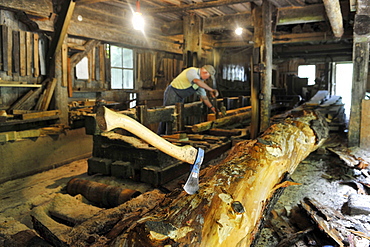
20	63
19	55
97	66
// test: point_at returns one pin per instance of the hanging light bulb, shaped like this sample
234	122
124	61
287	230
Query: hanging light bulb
239	30
137	19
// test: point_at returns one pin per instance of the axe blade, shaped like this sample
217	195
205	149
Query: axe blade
192	184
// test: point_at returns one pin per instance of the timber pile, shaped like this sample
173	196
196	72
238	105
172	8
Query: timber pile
330	106
227	210
35	103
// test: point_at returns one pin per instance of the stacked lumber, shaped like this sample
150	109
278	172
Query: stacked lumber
27	102
45	98
331	107
35	103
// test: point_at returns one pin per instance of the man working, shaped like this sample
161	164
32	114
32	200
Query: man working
187	83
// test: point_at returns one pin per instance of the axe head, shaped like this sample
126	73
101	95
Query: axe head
192	184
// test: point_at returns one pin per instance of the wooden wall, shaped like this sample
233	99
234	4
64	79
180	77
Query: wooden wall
22	59
154	70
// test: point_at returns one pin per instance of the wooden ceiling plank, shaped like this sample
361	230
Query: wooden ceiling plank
201	5
91	31
90	1
213	23
42	8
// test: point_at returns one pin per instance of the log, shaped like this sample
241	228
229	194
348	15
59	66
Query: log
106	195
217	123
233	198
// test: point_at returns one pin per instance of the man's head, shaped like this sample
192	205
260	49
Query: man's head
207	71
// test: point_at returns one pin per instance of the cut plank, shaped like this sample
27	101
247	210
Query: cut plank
365	122
318	98
49	91
331	101
36	67
40	114
221	122
21	100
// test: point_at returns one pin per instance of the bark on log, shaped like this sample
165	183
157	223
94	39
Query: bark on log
233	196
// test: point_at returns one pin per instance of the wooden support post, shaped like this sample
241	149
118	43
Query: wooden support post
65	65
102	63
61	93
360	70
179	113
192	40
266	65
70	74
142	114
255	123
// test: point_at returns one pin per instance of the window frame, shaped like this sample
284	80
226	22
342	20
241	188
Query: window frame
123	68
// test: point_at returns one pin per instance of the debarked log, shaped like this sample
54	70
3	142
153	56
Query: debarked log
217	123
228	209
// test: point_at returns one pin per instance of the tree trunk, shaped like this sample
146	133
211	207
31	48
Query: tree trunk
233	196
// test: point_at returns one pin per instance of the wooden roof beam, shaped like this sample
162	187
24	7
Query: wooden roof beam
213	23
200	5
334	14
306	14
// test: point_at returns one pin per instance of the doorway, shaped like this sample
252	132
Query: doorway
343	85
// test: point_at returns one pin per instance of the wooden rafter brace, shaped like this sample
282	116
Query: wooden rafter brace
60	32
233	196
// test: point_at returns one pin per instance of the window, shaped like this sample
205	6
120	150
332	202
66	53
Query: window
82	69
232	72
122	68
307	71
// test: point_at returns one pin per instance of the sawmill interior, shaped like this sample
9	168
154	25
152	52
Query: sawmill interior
282	160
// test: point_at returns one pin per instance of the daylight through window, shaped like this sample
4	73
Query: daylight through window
307	71
122	68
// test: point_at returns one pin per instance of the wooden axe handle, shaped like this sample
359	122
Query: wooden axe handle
108	120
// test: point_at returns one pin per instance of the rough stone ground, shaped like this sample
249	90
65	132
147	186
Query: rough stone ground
319	174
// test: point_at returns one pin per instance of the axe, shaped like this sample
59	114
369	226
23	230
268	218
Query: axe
108	120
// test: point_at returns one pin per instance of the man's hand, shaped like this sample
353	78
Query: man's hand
213	109
214	93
